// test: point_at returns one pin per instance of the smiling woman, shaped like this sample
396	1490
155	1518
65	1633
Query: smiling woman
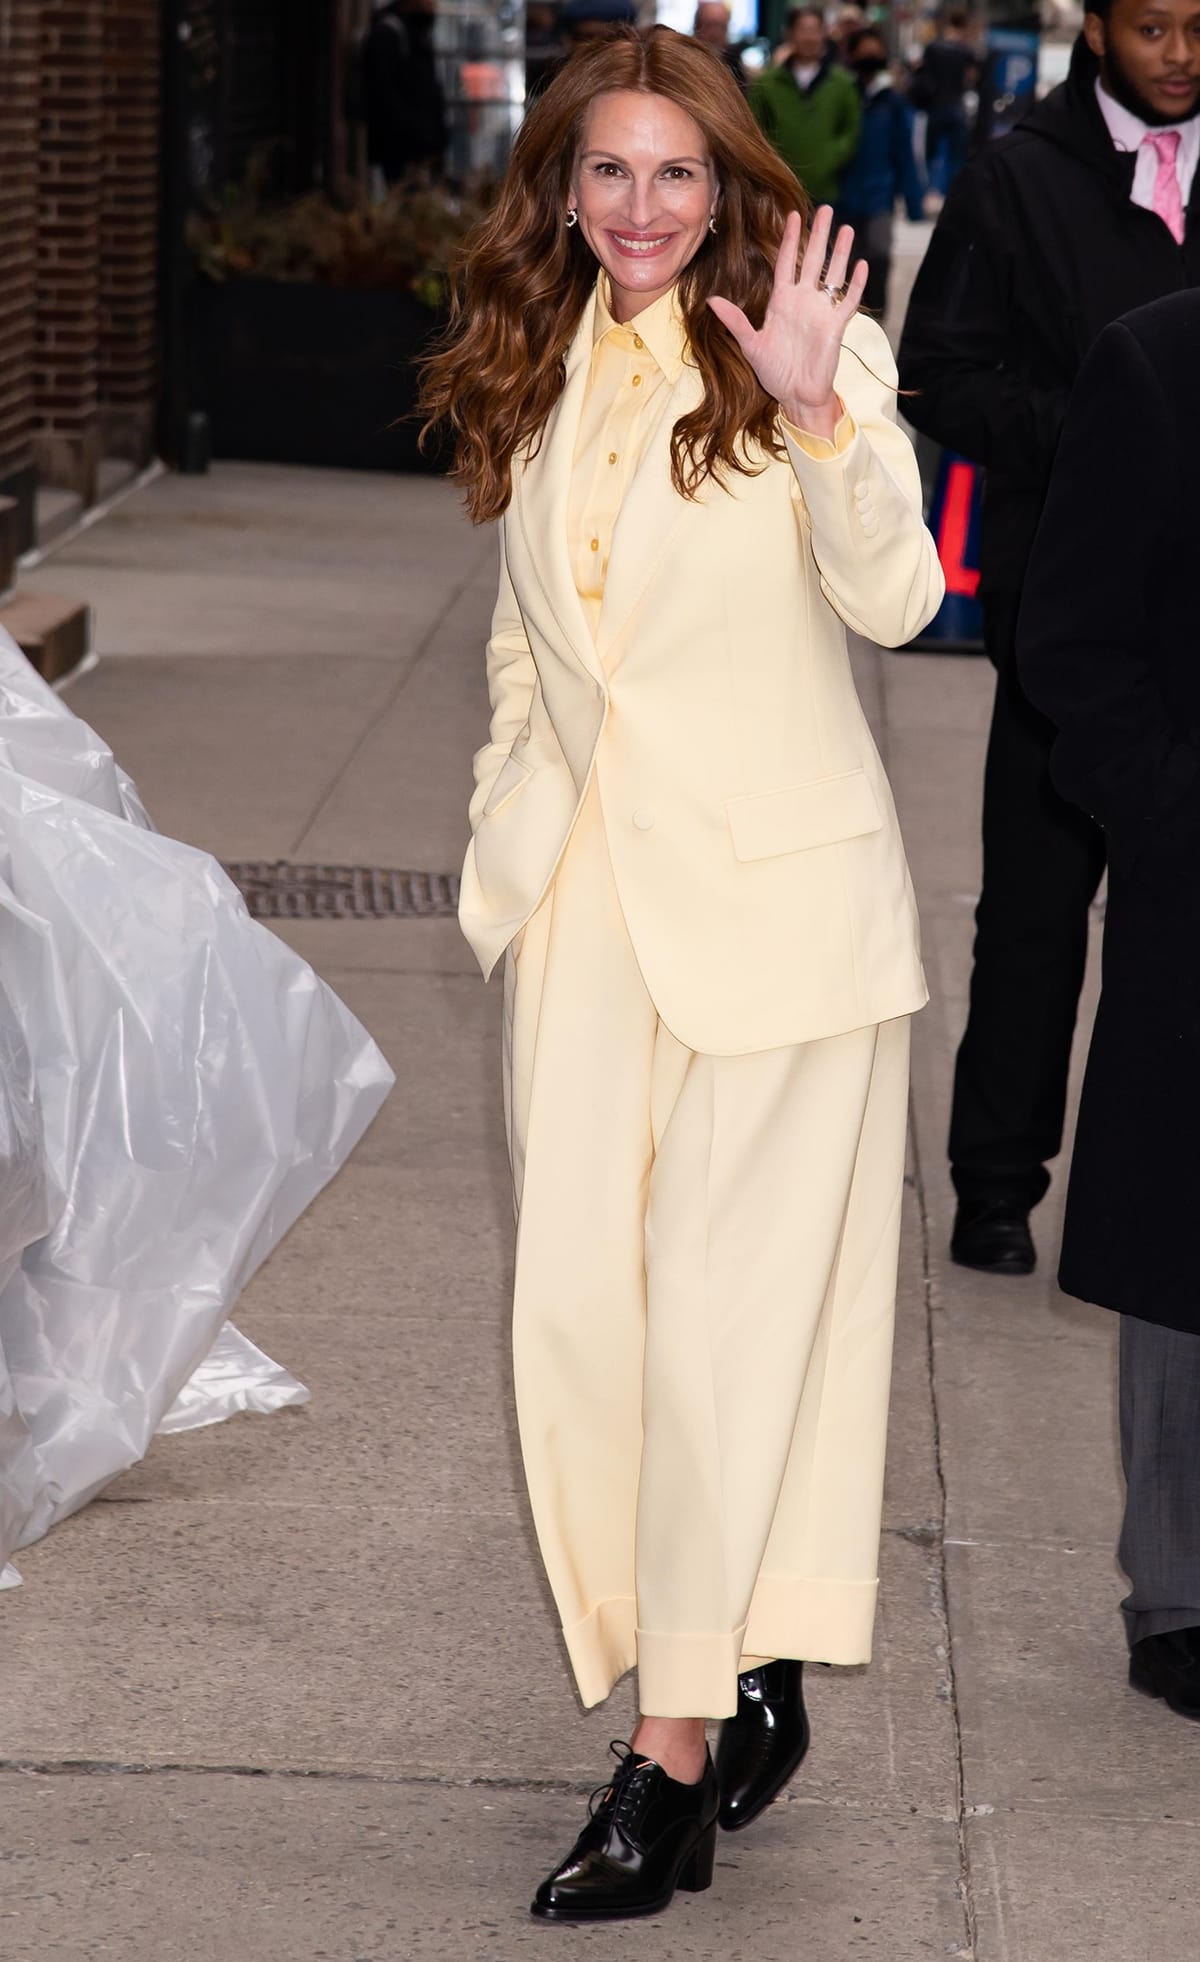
685	854
529	270
645	212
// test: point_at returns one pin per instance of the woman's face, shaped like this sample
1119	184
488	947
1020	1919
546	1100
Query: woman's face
645	188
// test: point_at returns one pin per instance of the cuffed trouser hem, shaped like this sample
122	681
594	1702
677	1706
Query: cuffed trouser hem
812	1620
688	1675
603	1647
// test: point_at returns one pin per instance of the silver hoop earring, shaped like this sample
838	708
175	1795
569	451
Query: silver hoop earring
572	216
712	223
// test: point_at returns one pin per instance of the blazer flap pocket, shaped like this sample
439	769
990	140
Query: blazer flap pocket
808	814
512	774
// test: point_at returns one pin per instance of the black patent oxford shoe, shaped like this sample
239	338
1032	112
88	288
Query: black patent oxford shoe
992	1234
646	1835
1169	1666
763	1744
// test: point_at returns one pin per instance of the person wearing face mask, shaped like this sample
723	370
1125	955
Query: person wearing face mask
685	861
1089	209
883	168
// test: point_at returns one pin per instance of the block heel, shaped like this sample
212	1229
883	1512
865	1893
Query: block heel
696	1873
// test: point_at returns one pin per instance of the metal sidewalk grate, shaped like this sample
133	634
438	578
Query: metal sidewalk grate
342	892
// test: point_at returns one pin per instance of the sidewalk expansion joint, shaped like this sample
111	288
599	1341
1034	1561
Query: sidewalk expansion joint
969	1952
348	1775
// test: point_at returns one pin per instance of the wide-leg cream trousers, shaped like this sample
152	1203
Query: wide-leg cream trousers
705	1288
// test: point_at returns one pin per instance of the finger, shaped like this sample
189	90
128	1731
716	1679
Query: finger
839	259
855	290
789	251
736	321
813	264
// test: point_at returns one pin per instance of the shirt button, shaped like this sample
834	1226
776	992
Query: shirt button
612	456
595	544
644	820
638	342
637	381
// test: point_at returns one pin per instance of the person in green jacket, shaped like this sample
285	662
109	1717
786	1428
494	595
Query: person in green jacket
809	108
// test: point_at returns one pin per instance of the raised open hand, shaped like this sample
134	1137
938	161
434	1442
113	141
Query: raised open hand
795	351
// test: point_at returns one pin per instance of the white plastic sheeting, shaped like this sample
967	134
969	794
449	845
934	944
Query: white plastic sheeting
175	1087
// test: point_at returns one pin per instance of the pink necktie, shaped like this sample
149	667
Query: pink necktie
1168	199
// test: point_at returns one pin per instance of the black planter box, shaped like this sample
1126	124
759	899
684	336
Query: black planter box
294	373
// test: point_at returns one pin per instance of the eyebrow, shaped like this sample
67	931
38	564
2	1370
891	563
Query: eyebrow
700	162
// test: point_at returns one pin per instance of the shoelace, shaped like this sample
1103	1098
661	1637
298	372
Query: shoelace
620	1799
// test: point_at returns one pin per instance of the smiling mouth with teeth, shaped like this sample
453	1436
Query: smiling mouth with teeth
641	244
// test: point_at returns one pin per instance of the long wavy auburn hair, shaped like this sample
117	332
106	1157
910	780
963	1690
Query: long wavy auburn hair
524	277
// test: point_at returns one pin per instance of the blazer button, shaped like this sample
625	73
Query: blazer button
862	489
644	820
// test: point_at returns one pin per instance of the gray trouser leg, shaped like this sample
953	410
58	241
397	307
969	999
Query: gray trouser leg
1160	1449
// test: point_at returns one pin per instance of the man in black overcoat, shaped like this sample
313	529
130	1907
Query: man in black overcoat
1109	649
1048	235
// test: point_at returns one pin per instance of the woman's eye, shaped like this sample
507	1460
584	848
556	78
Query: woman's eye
602	170
677	170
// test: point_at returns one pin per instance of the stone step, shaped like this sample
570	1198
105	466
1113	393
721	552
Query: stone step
53	632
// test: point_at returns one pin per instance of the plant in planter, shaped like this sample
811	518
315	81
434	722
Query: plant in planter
310	315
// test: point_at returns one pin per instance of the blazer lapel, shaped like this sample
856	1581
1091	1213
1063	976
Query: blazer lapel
649	515
542	491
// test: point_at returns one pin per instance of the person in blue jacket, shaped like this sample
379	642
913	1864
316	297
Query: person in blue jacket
883	167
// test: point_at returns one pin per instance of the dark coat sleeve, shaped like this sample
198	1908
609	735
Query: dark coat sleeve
1087	639
958	338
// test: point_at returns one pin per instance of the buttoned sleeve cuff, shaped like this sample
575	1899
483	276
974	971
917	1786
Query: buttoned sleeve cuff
822	447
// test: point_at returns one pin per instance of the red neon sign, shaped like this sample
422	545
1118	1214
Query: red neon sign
961	579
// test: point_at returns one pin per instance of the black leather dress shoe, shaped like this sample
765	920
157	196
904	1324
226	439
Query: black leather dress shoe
646	1835
763	1744
993	1234
1169	1666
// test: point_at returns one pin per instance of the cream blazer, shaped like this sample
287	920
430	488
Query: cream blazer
753	836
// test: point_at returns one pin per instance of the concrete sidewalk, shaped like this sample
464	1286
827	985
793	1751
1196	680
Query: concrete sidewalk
291	1688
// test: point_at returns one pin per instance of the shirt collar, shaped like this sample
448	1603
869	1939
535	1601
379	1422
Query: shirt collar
659	327
1128	131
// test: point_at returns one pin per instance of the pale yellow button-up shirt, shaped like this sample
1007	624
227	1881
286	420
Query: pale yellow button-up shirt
633	371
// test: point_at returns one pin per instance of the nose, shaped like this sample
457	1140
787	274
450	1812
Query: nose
1179	49
641	203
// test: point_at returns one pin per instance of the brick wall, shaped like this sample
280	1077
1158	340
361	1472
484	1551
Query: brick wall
67	319
128	336
18	206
